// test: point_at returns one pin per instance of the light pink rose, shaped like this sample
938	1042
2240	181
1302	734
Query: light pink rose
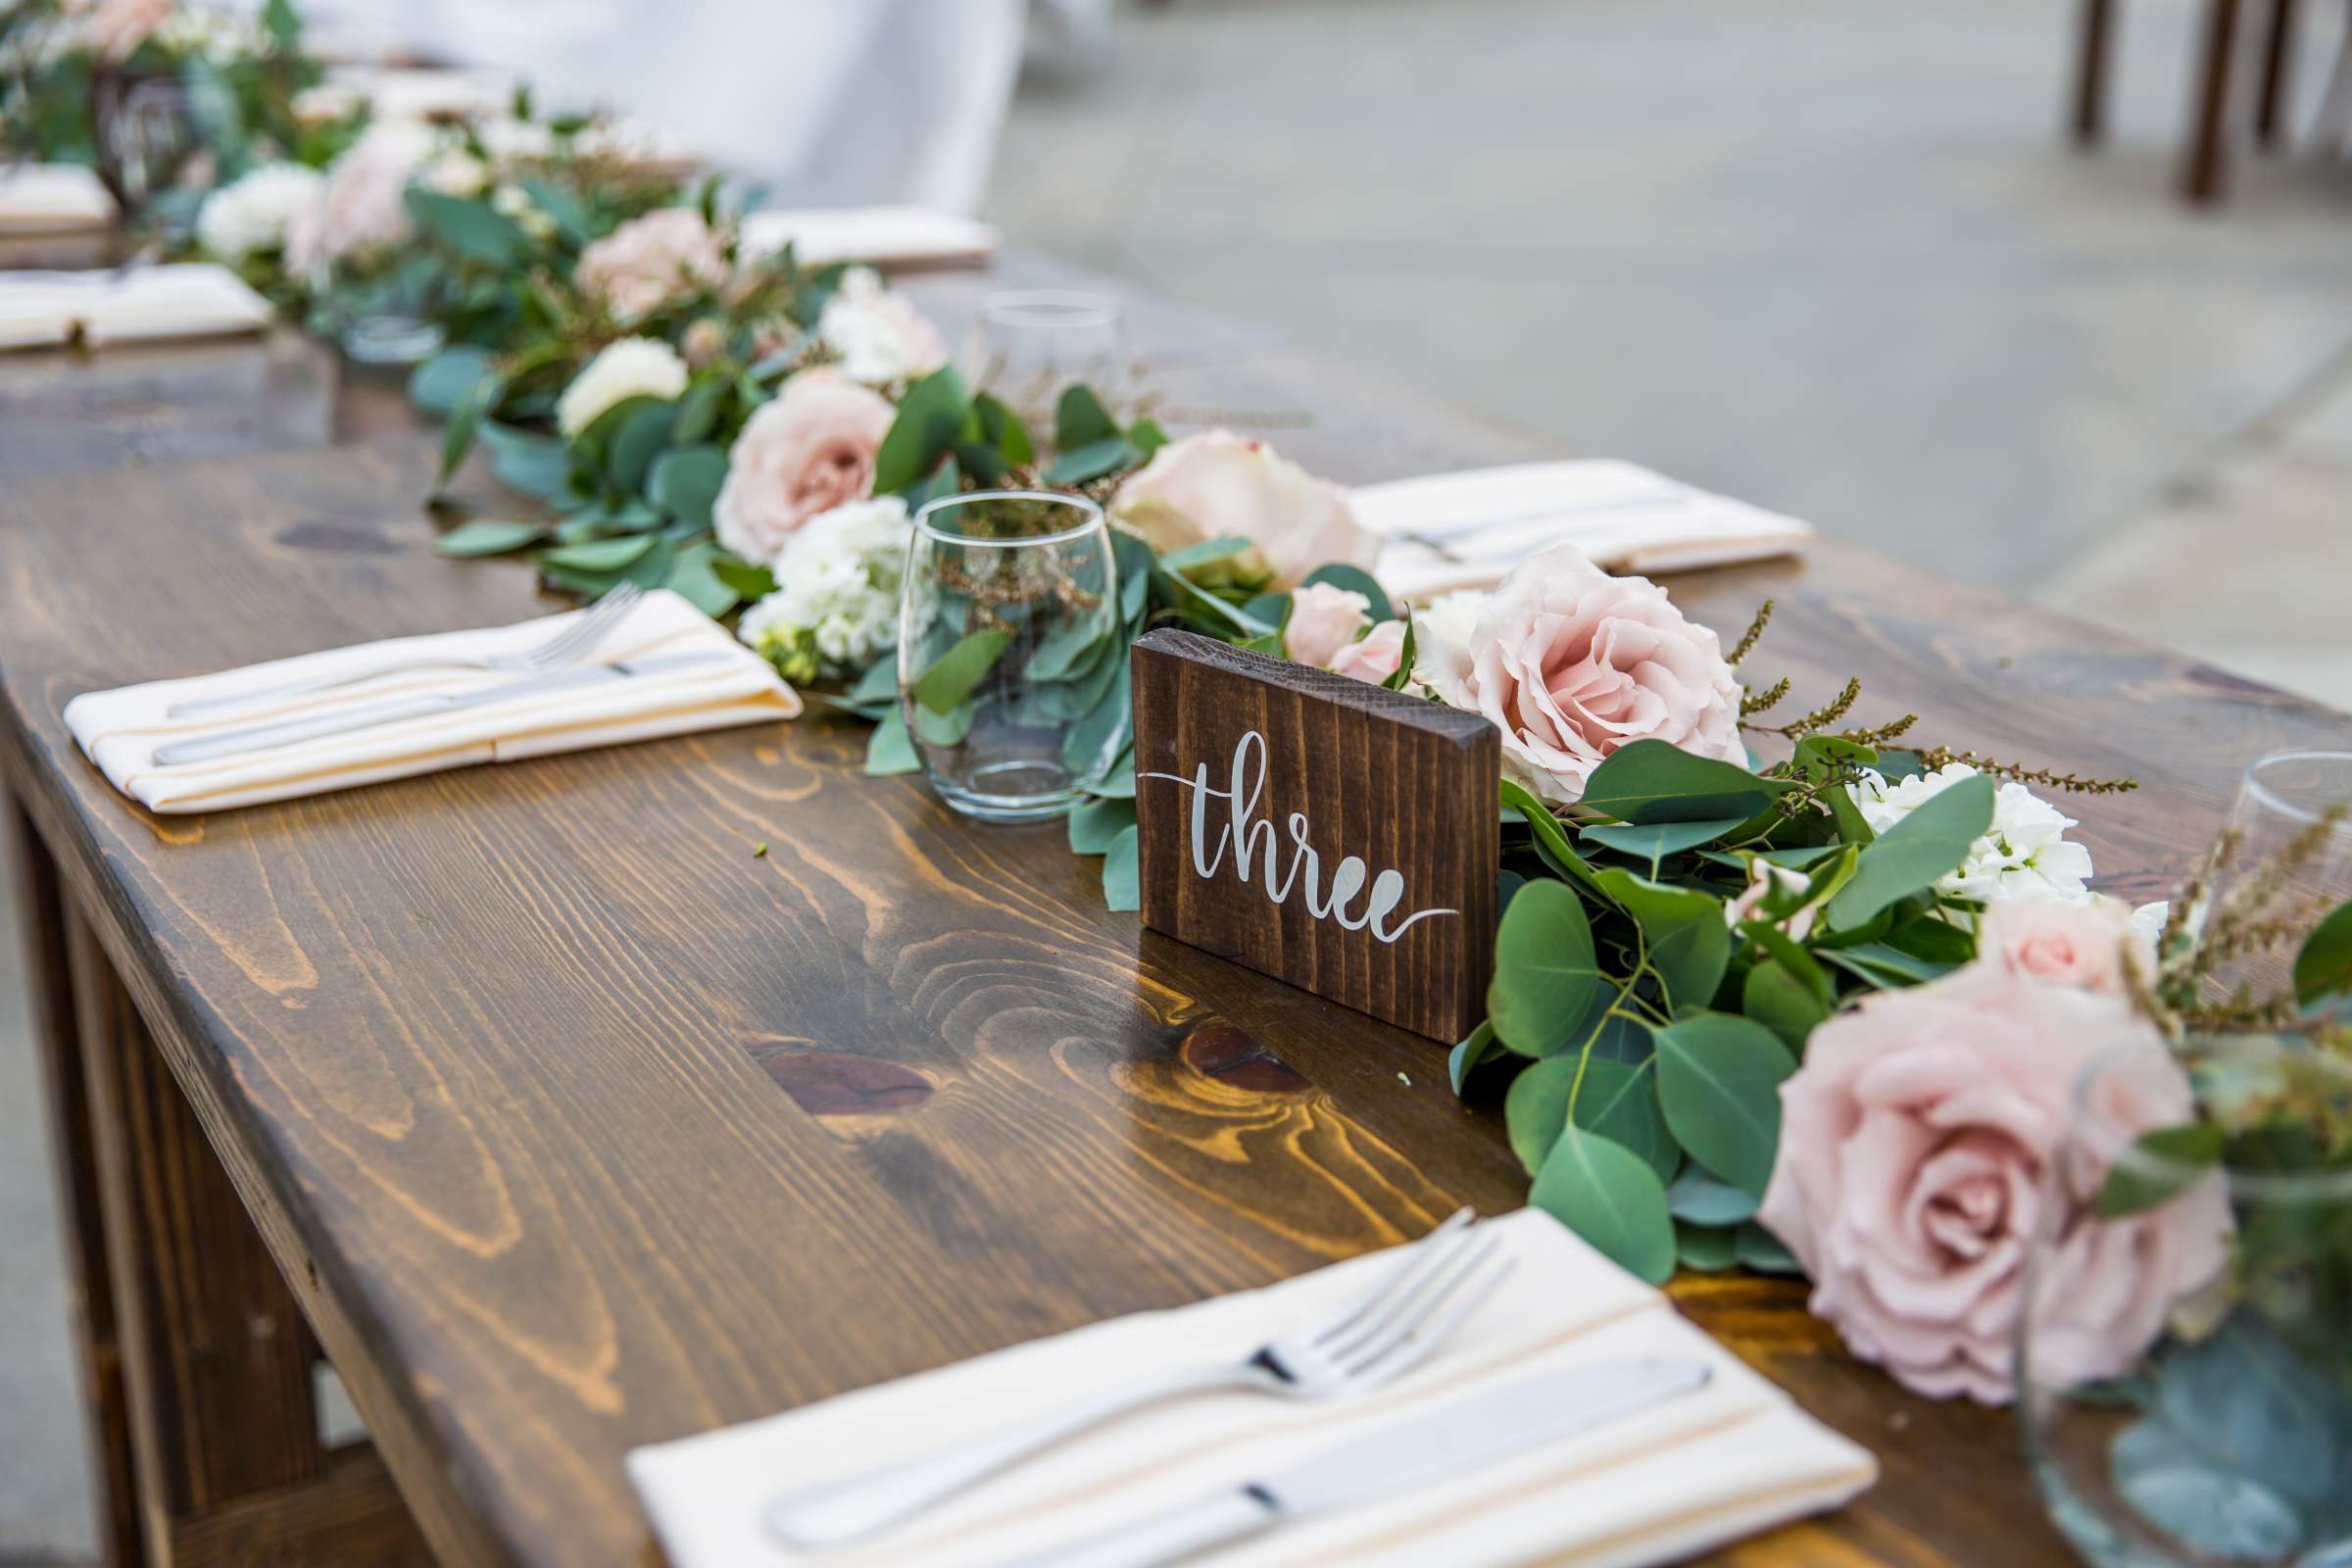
1373	656
2078	945
1916	1143
808	450
1762	877
360	208
1570	664
115	28
1215	483
652	260
1323	620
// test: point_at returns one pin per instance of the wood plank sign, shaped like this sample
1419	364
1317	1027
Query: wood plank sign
1318	830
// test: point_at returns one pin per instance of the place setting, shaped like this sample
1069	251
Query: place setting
1529	1012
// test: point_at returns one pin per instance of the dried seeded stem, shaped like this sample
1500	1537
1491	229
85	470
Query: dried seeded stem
1820	718
1755	631
1875	735
1753	703
1938	756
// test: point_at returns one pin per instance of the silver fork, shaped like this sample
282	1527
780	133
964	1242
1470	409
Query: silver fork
562	647
1377	1338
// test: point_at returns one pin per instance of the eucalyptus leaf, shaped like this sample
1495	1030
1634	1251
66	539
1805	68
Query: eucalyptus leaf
1003	429
890	749
1551	840
1546	974
692	579
755	582
525	460
684	483
1706	1248
1703	1200
1654	841
880	681
1470	1053
636	443
930	417
597	554
1122	873
2176	1156
489	536
1783	1003
1651	781
1683	933
2323	963
457	438
1911	854
468	226
1080	420
1095	823
947	684
697	411
1759	1248
438	385
1609	1196
1090	462
1719	1081
1614	1099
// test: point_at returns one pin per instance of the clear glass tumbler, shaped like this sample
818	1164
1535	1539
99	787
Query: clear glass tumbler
2284	861
2185	1348
1029	345
1008	638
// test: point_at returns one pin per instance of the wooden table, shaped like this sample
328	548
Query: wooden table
564	1123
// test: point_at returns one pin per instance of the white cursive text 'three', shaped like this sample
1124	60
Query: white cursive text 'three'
1254	846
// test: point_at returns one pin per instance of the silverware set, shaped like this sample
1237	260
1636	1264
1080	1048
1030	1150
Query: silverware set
1432	1289
551	664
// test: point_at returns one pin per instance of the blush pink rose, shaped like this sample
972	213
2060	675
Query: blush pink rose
808	450
1215	483
1919	1143
1323	620
1373	656
360	205
1762	878
652	260
1570	663
2079	945
115	28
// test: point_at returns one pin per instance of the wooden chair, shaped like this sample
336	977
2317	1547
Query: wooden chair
2204	160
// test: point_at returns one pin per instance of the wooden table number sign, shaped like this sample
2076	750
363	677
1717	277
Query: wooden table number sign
1318	830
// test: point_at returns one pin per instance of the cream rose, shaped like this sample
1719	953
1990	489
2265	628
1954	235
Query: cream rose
633	368
1215	483
1323	620
253	214
1372	658
1915	1145
808	450
652	260
1570	664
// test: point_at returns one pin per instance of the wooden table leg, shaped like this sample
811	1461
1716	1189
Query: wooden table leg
2202	171
89	1290
197	1357
2090	71
2278	53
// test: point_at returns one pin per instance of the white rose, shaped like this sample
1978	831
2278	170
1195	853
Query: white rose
252	214
1216	483
2024	855
457	174
880	337
634	366
1450	616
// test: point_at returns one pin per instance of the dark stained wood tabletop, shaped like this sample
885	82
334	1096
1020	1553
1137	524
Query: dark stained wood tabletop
574	1124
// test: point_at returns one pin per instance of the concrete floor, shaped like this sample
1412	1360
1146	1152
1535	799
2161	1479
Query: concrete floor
1827	255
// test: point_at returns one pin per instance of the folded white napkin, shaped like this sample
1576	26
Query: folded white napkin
425	92
193	299
52	198
882	235
1733	1459
120	730
1465	530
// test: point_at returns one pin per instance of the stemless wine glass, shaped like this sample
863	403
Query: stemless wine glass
2285	859
148	135
2185	1348
1029	344
1008	637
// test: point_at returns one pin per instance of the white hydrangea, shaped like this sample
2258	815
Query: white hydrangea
634	366
2024	855
836	605
455	173
251	215
880	338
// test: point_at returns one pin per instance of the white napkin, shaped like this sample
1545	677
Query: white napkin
1467	529
193	299
1733	1459
883	235
423	92
52	198
121	729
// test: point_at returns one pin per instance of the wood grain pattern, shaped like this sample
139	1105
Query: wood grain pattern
502	1061
1344	770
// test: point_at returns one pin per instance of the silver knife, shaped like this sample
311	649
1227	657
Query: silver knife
1457	1436
287	732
